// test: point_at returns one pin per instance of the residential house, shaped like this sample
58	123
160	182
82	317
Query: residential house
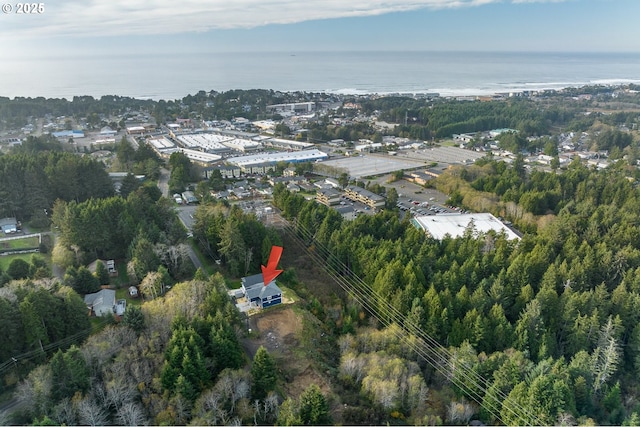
9	225
101	303
260	295
347	212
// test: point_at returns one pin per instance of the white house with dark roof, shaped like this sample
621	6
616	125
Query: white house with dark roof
260	295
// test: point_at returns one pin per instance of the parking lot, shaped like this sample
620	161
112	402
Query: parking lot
416	200
448	155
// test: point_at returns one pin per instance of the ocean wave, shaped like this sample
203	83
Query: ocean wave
485	90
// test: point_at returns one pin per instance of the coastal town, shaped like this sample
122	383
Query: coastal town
324	240
256	154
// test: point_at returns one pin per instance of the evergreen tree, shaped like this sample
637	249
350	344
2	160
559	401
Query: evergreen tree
85	281
69	373
313	407
263	372
18	269
133	318
129	184
102	274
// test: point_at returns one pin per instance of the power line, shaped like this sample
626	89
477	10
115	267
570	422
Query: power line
64	342
431	351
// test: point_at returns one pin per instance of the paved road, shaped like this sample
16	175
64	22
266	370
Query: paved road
163	181
186	213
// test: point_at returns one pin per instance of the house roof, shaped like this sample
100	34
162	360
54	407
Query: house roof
101	302
270	290
8	221
254	287
252	281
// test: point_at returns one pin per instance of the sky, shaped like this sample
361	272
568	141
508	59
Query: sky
98	27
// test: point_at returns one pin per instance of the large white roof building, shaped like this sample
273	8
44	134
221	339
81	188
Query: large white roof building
455	225
273	158
207	142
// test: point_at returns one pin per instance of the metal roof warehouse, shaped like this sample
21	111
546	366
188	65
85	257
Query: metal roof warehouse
273	158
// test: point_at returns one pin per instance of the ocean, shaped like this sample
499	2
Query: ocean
172	76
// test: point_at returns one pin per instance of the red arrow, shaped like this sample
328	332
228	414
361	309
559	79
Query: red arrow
269	272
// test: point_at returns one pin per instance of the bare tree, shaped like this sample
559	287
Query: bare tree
90	413
64	413
172	256
257	407
101	347
271	406
208	407
99	393
131	273
241	385
182	408
459	413
353	366
384	392
605	363
151	285
565	419
131	414
346	343
35	391
120	392
606	356
417	392
248	256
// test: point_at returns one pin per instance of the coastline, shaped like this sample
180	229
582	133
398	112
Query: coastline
450	74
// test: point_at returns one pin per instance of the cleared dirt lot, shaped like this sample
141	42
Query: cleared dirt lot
278	330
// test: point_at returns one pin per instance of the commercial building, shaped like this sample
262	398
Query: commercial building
164	147
260	163
328	196
206	142
242	144
286	144
292	108
455	225
66	134
366	197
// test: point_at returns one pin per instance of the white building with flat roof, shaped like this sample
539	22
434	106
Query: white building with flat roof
242	144
246	162
160	143
199	157
287	144
205	141
455	225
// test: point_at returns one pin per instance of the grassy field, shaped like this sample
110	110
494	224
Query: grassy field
5	260
25	243
123	293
